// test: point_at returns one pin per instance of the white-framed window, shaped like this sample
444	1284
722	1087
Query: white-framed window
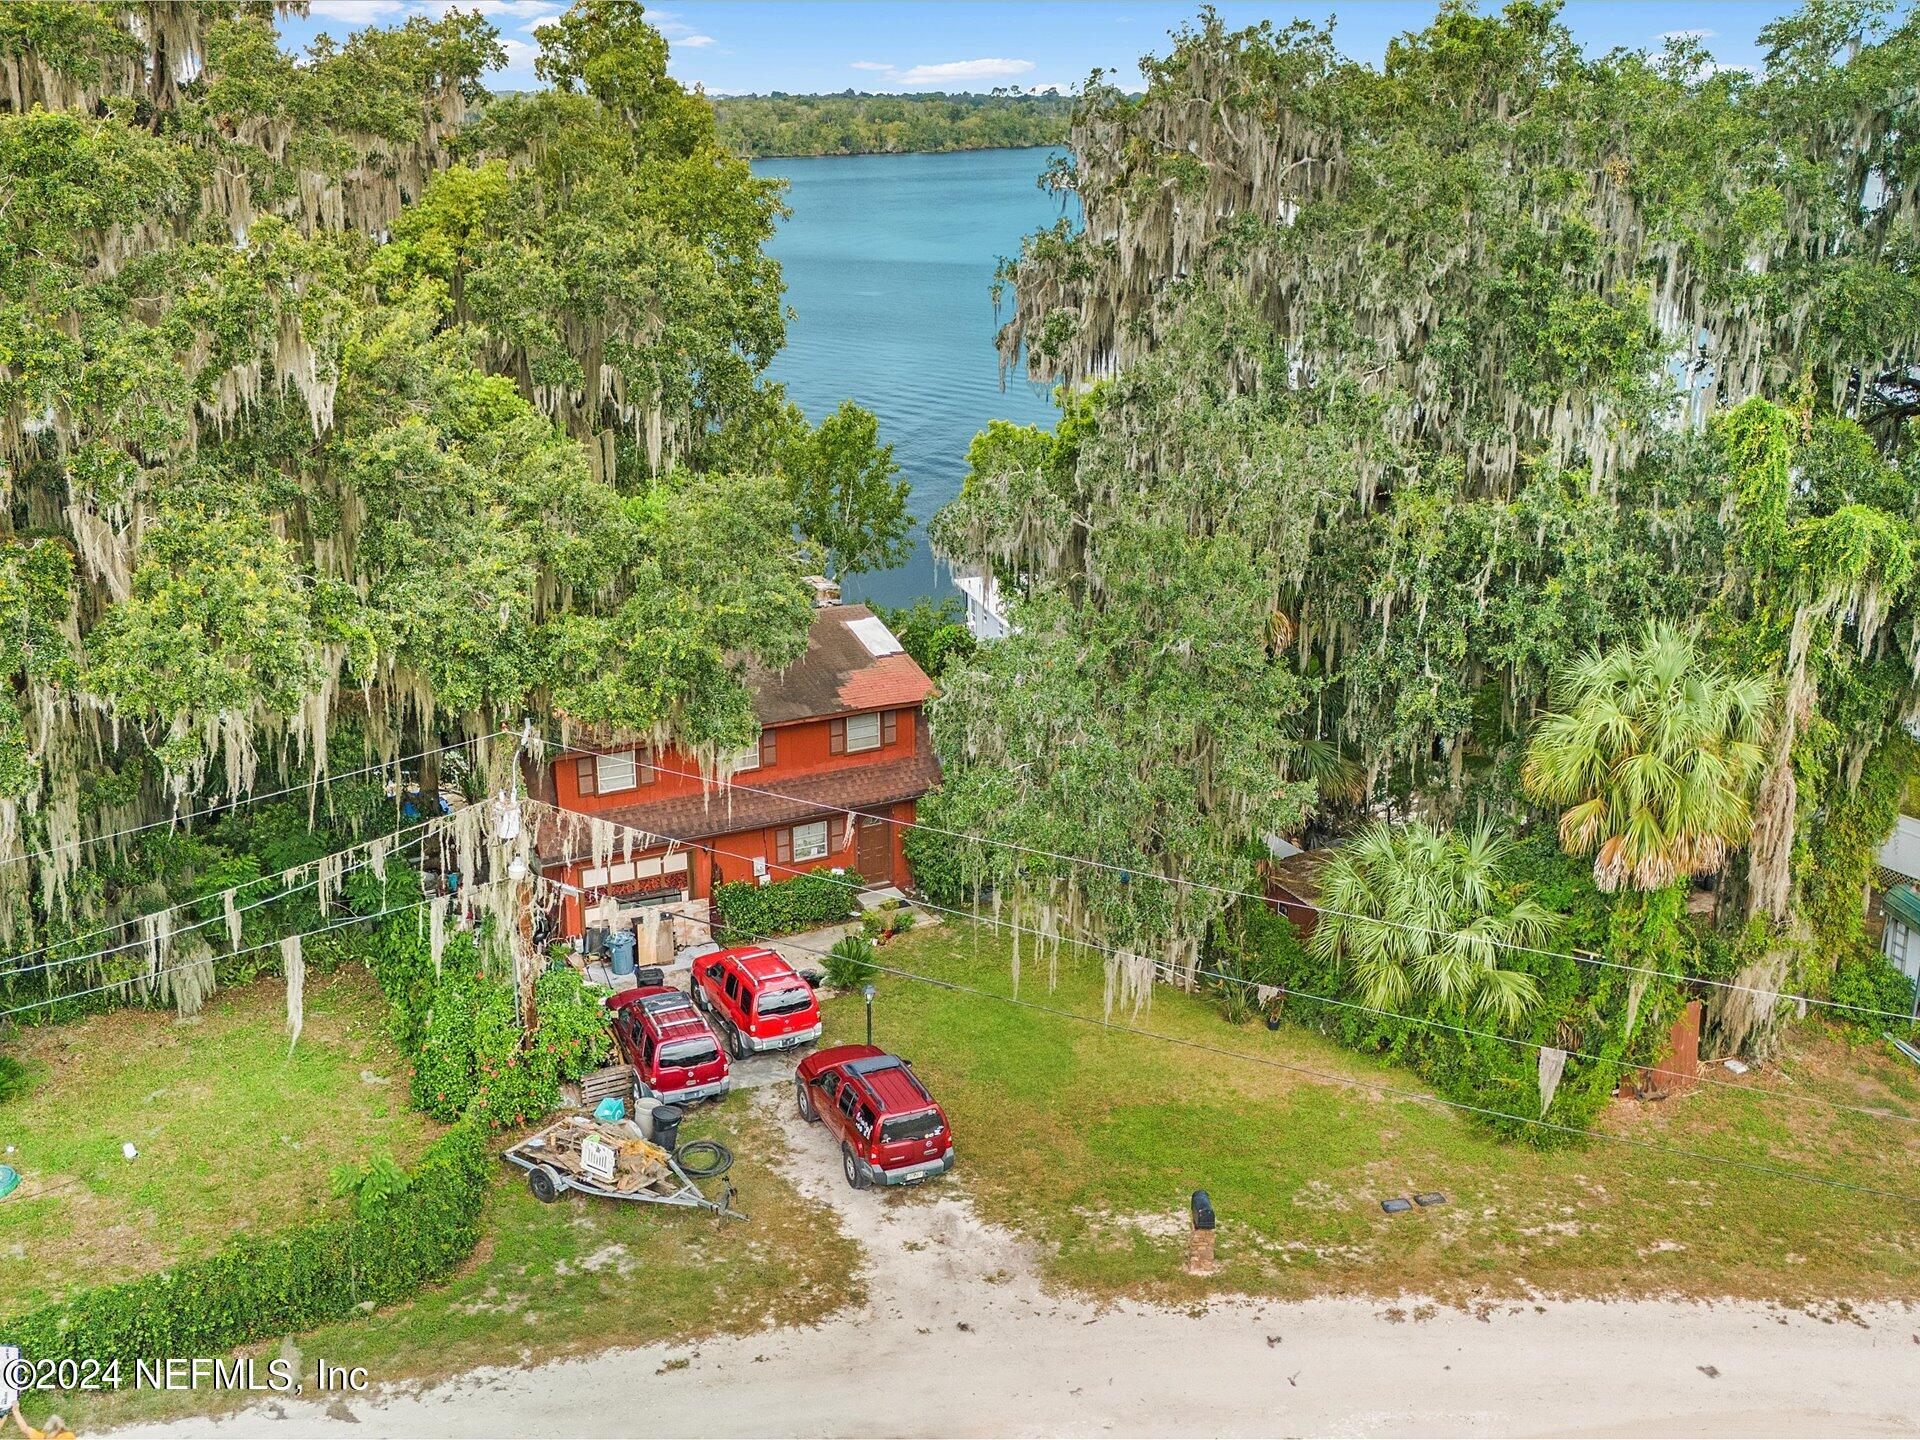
615	772
746	758
863	732
810	841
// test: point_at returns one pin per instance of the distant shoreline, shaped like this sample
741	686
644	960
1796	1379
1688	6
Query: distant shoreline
858	154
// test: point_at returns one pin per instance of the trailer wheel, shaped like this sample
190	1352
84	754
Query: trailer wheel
805	1102
544	1187
854	1176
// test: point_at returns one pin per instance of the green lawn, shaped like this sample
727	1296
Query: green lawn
584	1275
1090	1141
234	1133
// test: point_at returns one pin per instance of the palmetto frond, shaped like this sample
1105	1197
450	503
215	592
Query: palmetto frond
1653	754
1414	910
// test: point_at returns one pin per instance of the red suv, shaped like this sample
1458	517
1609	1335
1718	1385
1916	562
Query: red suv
757	1000
891	1132
663	1037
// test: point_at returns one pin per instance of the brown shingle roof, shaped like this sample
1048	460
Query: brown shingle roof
838	674
1299	873
722	811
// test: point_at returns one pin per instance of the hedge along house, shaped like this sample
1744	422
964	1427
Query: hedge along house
841	730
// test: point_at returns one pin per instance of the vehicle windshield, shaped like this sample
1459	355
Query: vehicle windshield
910	1127
785	1002
688	1053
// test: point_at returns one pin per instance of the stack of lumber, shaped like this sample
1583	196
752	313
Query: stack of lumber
638	1162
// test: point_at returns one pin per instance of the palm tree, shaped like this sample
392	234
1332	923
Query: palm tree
1654	752
1417	909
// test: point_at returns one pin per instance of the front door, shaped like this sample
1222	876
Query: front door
873	852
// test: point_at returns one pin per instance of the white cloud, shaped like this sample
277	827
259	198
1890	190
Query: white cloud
692	42
962	70
951	72
354	12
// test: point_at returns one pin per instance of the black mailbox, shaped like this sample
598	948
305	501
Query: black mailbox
1202	1210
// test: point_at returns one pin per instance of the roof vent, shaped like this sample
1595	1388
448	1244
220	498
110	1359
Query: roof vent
873	633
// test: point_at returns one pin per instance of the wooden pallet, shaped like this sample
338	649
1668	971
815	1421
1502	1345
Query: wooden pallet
615	1080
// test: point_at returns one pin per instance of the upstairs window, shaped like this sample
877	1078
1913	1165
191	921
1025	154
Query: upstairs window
607	774
855	733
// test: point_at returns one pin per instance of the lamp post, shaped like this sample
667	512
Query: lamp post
868	992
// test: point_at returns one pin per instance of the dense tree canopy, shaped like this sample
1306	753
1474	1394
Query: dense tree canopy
861	124
339	398
1410	384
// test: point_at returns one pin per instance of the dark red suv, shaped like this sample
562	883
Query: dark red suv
891	1132
663	1037
757	1000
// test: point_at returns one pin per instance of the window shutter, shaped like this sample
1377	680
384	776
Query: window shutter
586	775
643	771
766	747
836	737
783	846
887	731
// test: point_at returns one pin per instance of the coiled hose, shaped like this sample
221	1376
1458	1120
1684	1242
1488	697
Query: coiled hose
703	1159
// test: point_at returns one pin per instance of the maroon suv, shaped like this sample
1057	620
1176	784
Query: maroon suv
890	1131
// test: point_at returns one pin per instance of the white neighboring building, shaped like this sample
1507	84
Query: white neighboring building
1900	860
985	617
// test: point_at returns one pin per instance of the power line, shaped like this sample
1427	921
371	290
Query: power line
240	801
1784	1172
1512	1040
152	975
188	904
1577	957
57	961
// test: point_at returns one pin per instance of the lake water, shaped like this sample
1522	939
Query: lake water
888	260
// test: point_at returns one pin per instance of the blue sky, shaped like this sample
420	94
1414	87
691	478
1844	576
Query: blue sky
736	46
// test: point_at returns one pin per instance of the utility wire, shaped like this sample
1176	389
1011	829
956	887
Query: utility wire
240	801
1576	956
1513	1040
1783	1172
246	950
57	961
188	904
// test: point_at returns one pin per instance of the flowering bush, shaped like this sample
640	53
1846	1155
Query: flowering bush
470	1046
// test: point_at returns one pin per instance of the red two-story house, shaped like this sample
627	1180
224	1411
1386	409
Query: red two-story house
841	730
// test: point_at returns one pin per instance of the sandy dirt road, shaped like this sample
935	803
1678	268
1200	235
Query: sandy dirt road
959	1339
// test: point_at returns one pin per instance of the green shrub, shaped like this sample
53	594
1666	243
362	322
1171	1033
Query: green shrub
936	860
1478	1069
392	1240
1868	980
819	897
469	1051
849	962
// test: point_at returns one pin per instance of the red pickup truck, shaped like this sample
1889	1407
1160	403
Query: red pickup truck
890	1131
757	1001
663	1037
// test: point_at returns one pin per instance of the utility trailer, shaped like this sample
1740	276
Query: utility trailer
624	1166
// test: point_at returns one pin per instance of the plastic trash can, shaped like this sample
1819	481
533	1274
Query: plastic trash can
620	952
666	1126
